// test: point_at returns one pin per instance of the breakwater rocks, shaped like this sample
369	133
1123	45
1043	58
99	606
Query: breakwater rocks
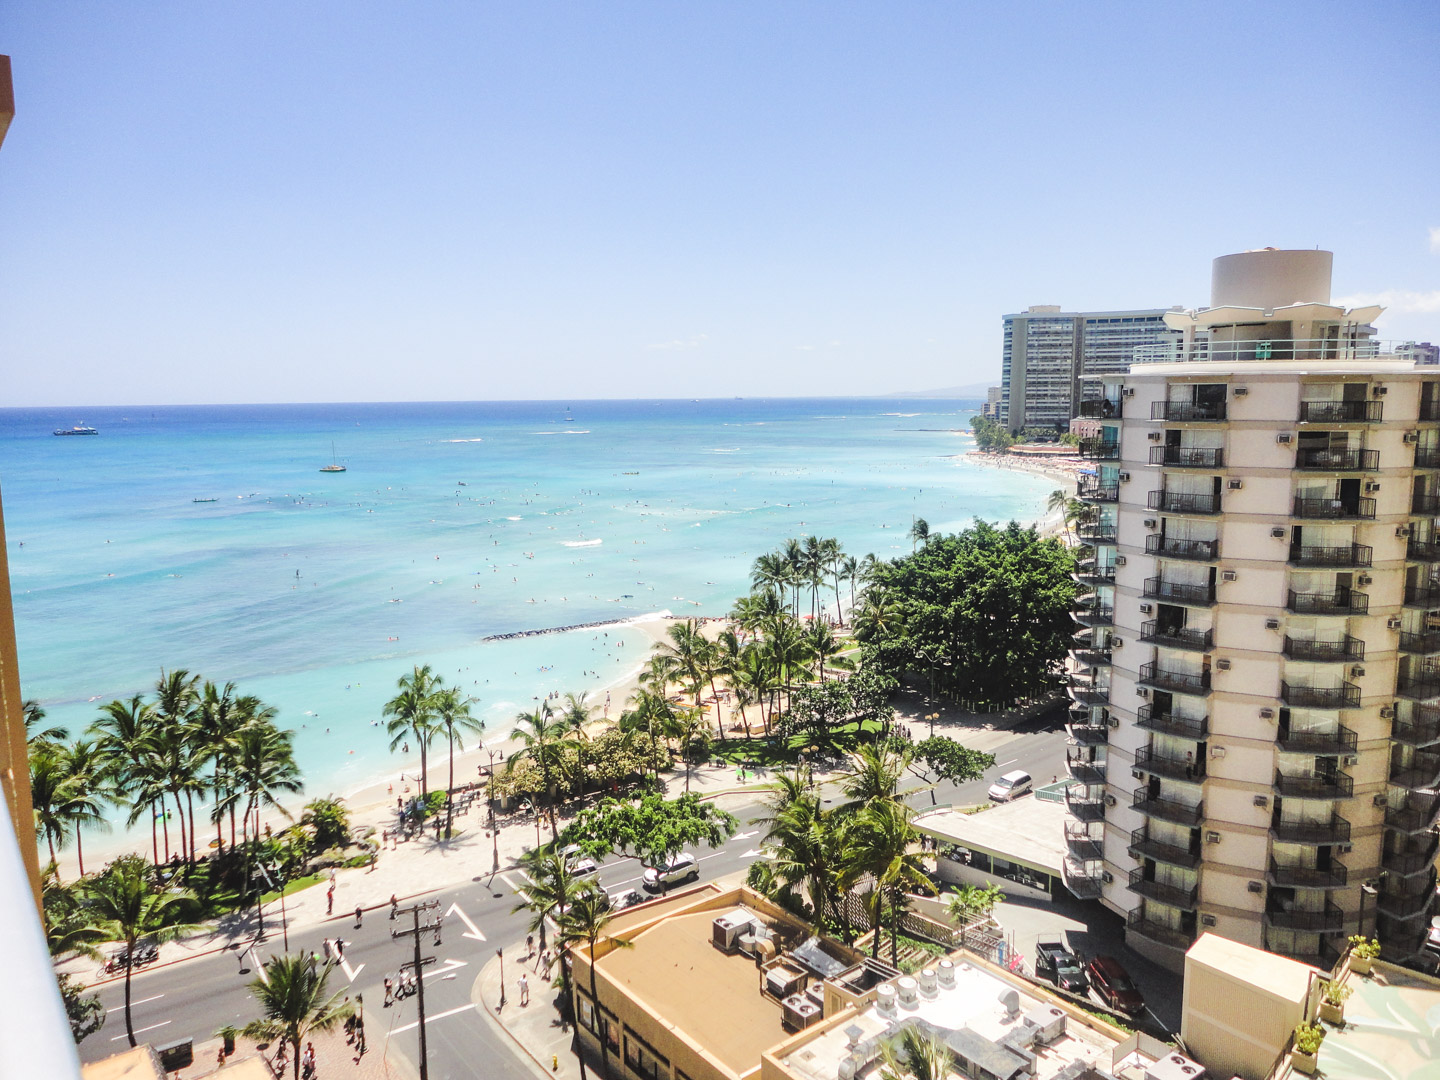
605	624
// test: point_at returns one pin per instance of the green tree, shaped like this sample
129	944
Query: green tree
124	907
329	820
37	732
452	716
411	715
296	1001
915	1054
552	888
542	738
651	829
939	759
874	775
85	1011
576	716
878	846
919	532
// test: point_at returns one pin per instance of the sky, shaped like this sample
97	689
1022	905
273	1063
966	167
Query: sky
367	201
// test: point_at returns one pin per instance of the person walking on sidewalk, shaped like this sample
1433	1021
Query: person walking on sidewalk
359	911
330	899
524	989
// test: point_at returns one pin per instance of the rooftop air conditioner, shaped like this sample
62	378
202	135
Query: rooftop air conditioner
1284	438
726	929
1272	624
1234	484
1207	920
1278	532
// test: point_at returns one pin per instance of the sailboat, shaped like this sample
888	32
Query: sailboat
334	465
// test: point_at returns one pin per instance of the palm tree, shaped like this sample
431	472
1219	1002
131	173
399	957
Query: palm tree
297	1002
552	888
849	569
874	776
452	716
37	735
412	715
808	848
770	571
122	732
794	555
84	769
922	1055
879	841
919	533
821	642
176	695
48	792
543	737
585	921
125	908
689	725
575	715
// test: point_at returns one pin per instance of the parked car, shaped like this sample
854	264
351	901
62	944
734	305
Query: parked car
684	867
584	867
1011	786
1114	985
621	899
1057	964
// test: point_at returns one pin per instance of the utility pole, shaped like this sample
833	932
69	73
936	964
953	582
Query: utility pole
420	963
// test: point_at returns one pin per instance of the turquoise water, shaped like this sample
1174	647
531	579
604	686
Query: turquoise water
454	522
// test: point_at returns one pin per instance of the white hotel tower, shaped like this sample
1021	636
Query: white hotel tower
1256	716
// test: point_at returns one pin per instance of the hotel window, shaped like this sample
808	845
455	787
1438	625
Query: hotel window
642	1058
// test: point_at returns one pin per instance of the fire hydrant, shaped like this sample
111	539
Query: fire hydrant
554	1062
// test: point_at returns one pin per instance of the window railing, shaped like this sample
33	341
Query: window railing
1173	548
1187	457
1319	459
1334	509
1187	410
1340	412
1181	502
1340	555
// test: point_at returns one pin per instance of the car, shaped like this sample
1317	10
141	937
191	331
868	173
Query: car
1114	986
1057	964
1011	786
584	867
621	899
684	867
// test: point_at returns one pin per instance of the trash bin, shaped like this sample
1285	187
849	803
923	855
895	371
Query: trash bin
176	1055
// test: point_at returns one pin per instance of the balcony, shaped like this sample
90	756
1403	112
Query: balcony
1294	876
1179	682
1329	920
1084	767
1421	771
1085	881
1089	733
1341	412
1351	509
1095	574
1424	687
1187	457
1317	833
1420	729
1427	457
1099	450
1418	859
1341	555
1425	505
1414	813
1319	459
1430	410
1149	718
1092	658
1096	532
1425	644
1142	847
1339	741
1175	895
1088	692
1181	502
1081	844
1178	592
1424	596
1103	409
1339	602
1090	489
1082	806
1190	769
1093	613
1406	904
1174	937
1187	411
1324	652
1177	637
1308	696
1315	785
1171	548
1177	813
1422	549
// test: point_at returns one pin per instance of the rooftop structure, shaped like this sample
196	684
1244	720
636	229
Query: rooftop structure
1014	844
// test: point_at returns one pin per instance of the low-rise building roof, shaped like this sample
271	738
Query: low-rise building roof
1030	831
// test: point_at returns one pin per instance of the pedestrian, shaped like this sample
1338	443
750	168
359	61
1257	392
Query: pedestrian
339	950
524	989
529	946
374	858
358	912
325	945
394	907
330	900
384	837
389	993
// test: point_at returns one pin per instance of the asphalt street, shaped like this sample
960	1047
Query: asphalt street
194	998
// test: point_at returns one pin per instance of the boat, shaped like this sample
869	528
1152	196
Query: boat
204	500
334	465
78	429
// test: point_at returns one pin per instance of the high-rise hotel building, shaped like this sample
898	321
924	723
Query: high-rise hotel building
1256	709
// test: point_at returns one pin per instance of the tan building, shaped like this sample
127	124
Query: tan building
715	984
1256	717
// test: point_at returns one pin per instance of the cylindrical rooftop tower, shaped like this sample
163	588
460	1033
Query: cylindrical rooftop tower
1270	278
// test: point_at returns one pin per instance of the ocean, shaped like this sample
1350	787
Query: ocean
207	538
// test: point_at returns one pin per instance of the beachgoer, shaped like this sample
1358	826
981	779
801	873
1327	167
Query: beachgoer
340	950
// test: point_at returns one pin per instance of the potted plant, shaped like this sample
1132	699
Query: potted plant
1363	951
1332	1002
227	1036
1305	1047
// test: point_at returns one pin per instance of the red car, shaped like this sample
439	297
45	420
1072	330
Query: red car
1114	985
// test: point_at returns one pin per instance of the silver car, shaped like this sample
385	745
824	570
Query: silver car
684	867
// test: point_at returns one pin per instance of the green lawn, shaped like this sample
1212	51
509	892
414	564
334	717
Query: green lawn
294	887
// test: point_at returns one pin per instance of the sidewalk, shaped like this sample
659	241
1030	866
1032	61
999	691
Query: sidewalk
539	1035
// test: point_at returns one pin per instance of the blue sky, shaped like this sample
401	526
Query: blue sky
387	201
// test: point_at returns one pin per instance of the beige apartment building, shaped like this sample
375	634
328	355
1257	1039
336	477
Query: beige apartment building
1256	714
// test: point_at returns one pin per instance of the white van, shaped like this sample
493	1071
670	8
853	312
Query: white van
1011	786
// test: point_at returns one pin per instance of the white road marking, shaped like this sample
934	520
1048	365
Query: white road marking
351	975
753	853
473	931
1010	762
259	967
745	835
142	1001
428	1019
152	1027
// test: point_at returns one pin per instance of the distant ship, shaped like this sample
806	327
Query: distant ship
78	429
334	465
204	500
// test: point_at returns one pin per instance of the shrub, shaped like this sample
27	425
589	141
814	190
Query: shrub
1308	1038
1335	993
1365	948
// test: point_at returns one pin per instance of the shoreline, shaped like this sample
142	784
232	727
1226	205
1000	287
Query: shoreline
1064	471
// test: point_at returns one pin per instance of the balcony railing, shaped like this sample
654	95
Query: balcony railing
1423	596
1416	731
1430	410
1090	489
1149	718
1425	505
1318	833
1295	876
1329	920
1177	813
1175	895
1086	881
1173	548
1308	696
1419	687
1174	937
1084	807
1091	658
1177	637
1422	549
1179	592
1319	459
1405	904
1180	682
1420	644
1095	532
1099	450
1341	555
1418	859
1324	652
1341	412
1339	602
1414	813
1421	771
1334	509
1087	732
1143	847
1089	692
1089	572
1093	613
1323	785
1427	457
1183	502
1085	768
1187	457
1081	844
1339	741
1348	347
1103	409
1176	767
1184	411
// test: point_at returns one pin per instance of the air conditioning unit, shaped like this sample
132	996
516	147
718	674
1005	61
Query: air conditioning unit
726	929
1380	799
1127	391
1142	691
1124	478
1284	438
1267	714
1114	721
1387	712
1278	532
1223	664
1234	484
1228	575
1106	876
1344	849
1119	560
1154	436
1261	801
1402	531
1255	886
1146	609
1109	800
1217	752
1241	391
1372	486
1117	643
1212	837
1350	759
1393	622
1362	580
1150	523
1412	436
1380	391
1272	624
1357	672
1136	774
1207	920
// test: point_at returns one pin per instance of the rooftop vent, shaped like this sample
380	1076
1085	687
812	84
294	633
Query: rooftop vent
1010	1002
852	1035
947	974
909	995
885	999
927	982
1048	1022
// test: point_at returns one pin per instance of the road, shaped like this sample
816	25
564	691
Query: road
194	998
